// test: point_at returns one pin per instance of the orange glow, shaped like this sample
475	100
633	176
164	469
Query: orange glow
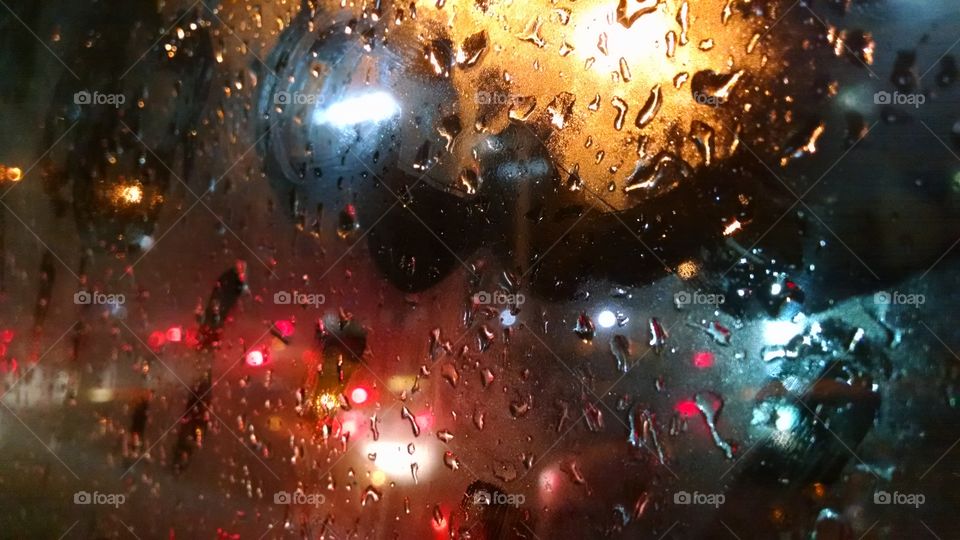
687	270
327	401
13	174
601	42
732	227
590	72
131	194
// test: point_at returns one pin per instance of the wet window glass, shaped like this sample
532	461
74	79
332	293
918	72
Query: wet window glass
479	269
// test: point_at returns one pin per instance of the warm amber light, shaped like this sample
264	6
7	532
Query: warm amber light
733	227
606	46
687	270
126	194
13	174
131	194
632	90
327	401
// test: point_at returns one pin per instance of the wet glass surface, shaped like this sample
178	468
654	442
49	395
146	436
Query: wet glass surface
479	269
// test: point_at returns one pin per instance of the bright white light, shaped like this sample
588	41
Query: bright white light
780	332
859	98
394	460
606	319
146	242
643	44
776	289
786	418
358	109
507	318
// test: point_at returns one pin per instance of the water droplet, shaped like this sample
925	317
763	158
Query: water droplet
703	137
620	347
487	377
683	19
479	419
561	108
628	11
680	78
710	405
658	335
650	109
644	432
522	107
624	70
439	54
622	108
370	495
595	104
665	173
450	374
531	32
472	49
585	328
348	222
804	143
712	88
451	461
602	43
594	417
671	39
407	415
